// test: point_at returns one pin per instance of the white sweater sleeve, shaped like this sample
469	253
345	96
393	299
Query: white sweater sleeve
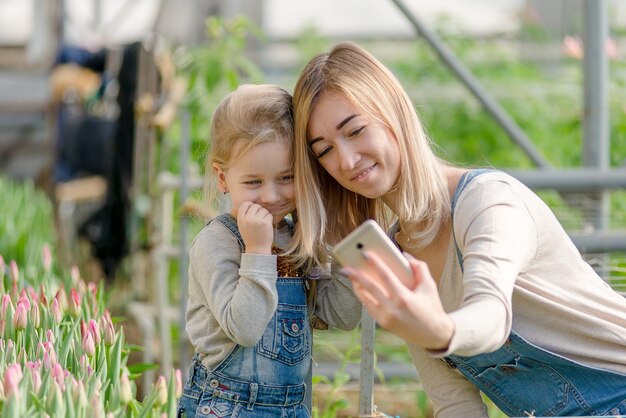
497	237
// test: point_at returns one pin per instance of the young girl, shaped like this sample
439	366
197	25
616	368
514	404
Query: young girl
502	302
250	309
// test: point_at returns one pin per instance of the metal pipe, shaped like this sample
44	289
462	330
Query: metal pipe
572	180
488	102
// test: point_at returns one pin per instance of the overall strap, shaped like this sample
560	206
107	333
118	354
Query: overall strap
230	223
465	179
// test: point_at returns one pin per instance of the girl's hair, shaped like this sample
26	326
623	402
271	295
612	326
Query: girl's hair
328	211
251	115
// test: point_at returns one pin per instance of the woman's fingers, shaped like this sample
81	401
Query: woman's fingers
383	274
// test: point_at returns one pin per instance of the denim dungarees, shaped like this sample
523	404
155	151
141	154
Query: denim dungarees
267	380
523	379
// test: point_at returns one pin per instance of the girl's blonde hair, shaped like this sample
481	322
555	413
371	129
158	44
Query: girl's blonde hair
327	210
250	115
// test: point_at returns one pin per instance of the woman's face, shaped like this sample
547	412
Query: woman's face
359	152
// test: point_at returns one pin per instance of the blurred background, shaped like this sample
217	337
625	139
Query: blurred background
105	108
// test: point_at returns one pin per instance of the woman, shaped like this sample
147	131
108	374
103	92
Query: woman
502	301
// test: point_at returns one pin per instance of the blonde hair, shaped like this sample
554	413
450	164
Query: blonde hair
250	115
329	211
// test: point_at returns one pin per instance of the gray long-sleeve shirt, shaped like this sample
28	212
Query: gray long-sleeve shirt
232	296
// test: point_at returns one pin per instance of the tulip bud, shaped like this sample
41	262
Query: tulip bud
14	271
12	378
74	303
126	390
94	329
88	344
46	257
161	388
50	336
178	376
20	320
7	305
36	378
75	275
55	309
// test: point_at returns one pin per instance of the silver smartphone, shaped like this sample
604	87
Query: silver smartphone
371	237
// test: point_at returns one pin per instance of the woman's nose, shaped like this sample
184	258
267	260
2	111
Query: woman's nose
348	157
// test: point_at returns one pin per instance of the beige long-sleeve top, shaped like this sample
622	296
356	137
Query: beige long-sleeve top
232	296
521	272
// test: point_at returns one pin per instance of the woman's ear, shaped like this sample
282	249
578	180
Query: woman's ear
221	178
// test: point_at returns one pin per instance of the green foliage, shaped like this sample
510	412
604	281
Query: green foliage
26	224
215	69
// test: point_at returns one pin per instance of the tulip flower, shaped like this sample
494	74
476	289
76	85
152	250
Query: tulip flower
20	320
88	344
161	388
55	309
75	275
74	303
35	315
12	378
14	271
178	376
6	305
36	378
126	390
50	336
109	331
94	329
46	257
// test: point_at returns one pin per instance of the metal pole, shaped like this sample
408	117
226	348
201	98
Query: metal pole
596	112
184	250
366	381
490	104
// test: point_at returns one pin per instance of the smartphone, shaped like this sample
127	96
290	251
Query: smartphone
369	236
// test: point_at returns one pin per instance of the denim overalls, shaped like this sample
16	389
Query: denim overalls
523	379
267	380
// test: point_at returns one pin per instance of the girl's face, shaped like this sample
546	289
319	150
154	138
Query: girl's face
359	152
262	175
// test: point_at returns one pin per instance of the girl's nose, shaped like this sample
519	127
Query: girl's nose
270	194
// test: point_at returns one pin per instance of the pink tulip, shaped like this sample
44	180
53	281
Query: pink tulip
43	300
94	329
49	359
50	336
74	303
55	309
12	378
161	388
61	297
75	275
46	257
109	330
36	378
6	305
20	320
178	376
35	315
88	344
14	271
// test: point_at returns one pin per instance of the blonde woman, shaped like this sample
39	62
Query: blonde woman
502	301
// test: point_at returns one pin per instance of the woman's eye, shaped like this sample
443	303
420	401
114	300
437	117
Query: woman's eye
286	179
323	152
356	132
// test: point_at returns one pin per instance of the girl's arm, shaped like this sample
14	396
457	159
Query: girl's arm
336	303
239	290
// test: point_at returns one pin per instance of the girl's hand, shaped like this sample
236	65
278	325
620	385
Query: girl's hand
414	314
255	226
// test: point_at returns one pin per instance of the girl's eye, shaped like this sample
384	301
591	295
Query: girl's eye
252	182
286	179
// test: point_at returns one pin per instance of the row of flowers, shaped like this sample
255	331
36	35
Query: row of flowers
62	356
